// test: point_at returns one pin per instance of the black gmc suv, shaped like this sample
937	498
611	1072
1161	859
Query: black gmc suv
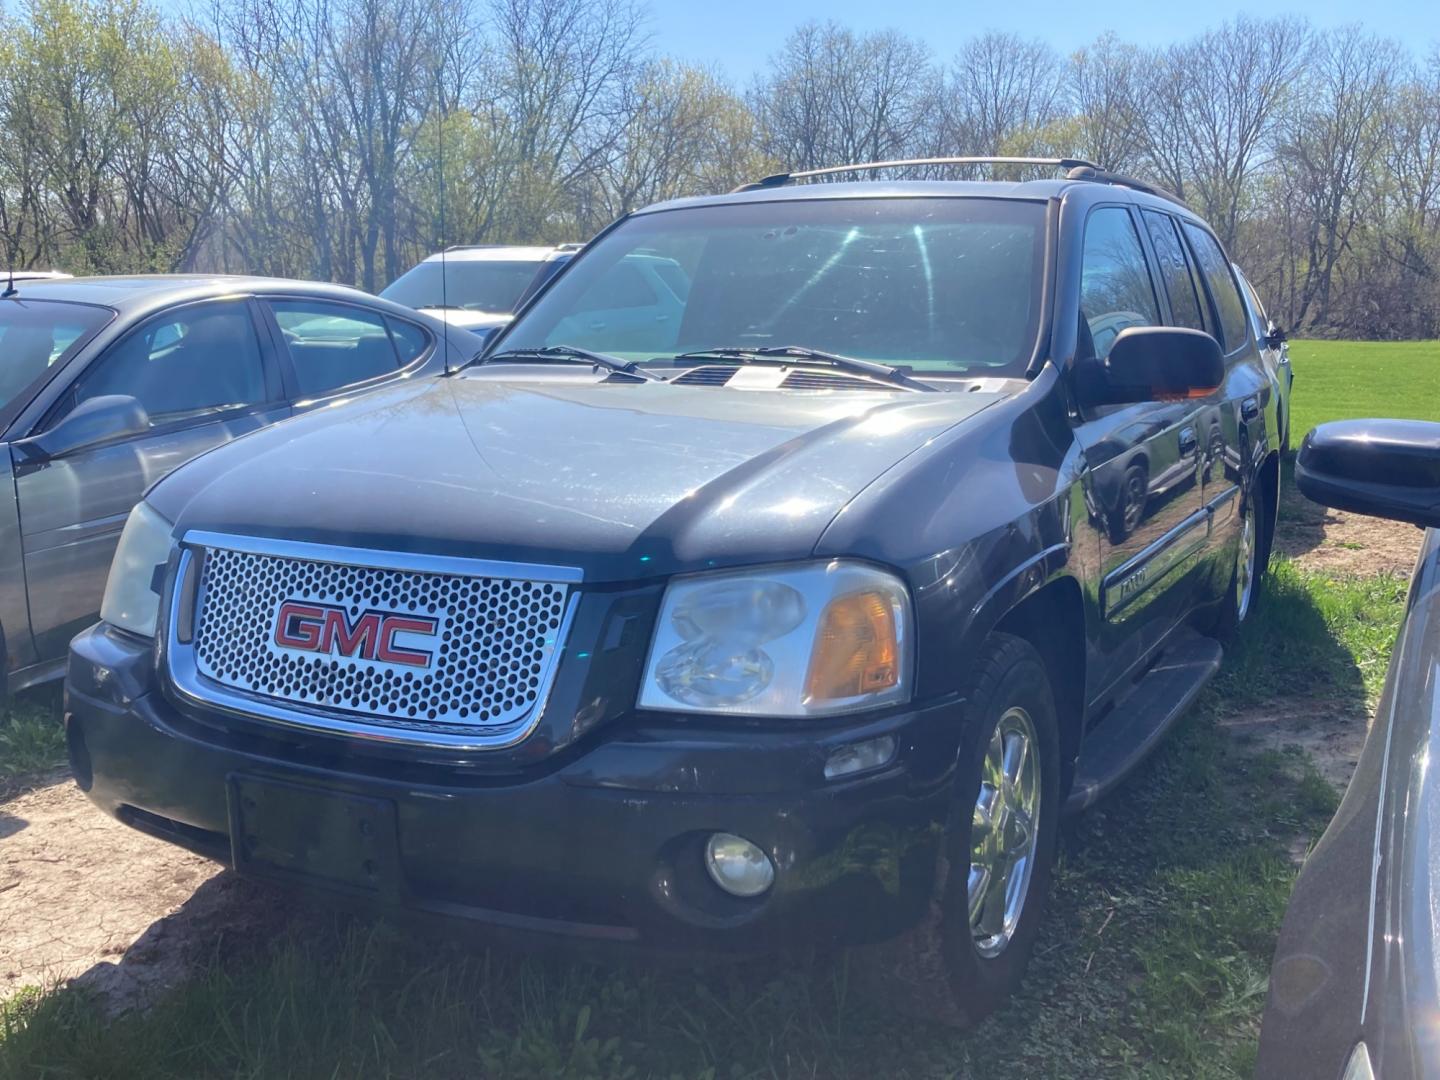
799	602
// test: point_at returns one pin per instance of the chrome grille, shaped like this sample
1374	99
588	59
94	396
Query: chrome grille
490	656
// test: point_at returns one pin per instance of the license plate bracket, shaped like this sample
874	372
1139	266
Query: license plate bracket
297	834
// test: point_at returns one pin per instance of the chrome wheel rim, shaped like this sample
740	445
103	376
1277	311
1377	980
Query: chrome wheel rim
1004	832
1245	567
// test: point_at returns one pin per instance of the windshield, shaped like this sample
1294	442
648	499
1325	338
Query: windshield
476	286
35	335
941	285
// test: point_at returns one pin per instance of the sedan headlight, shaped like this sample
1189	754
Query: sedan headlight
132	593
807	640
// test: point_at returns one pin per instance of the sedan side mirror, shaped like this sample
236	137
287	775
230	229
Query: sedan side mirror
1384	468
1275	337
100	419
1155	363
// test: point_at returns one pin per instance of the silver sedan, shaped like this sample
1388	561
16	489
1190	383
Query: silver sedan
107	384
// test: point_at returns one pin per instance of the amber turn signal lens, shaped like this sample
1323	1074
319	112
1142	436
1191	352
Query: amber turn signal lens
857	649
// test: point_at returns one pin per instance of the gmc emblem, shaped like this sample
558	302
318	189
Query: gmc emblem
323	628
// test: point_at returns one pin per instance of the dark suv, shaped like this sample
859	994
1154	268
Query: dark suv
804	613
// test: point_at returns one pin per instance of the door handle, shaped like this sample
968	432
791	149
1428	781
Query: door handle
1250	408
1188	442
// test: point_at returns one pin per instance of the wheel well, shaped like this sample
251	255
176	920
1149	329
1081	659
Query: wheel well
1052	620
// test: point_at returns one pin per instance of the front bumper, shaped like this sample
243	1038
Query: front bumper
603	843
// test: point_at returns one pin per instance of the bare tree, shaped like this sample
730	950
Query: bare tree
1332	144
830	96
998	87
1214	104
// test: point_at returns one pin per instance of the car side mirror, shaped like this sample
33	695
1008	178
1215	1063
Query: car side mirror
486	334
1275	337
1384	468
1155	363
100	419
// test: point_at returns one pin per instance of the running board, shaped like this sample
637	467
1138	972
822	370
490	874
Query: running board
1137	724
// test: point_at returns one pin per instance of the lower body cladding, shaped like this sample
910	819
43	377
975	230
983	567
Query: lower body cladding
613	844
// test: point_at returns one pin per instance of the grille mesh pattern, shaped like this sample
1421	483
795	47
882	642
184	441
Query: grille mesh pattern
492	647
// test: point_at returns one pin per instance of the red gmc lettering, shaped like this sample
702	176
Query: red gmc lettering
322	628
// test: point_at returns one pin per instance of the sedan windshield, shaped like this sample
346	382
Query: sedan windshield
940	285
485	285
35	335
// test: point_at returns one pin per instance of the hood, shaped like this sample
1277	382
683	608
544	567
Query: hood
465	319
622	480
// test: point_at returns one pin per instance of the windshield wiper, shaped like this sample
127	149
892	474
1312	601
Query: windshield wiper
781	353
579	356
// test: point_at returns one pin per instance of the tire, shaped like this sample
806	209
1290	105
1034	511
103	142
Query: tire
954	967
1130	507
1247	576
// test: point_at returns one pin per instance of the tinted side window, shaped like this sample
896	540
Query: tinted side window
333	345
1115	288
1216	269
1259	321
410	340
194	362
1175	272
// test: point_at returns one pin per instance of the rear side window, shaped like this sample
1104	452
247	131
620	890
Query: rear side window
333	345
410	340
1115	288
1216	269
1176	273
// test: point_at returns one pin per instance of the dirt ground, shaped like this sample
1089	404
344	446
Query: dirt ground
81	896
1338	542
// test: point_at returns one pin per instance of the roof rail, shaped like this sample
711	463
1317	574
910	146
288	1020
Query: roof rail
474	247
1097	175
1075	169
781	179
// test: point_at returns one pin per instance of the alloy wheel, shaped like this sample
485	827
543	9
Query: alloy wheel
1004	832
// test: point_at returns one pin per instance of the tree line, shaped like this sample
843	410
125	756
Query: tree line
345	139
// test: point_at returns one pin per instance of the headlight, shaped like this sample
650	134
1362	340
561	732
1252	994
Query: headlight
807	640
132	593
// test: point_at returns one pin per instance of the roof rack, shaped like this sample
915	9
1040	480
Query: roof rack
781	179
1097	175
1075	169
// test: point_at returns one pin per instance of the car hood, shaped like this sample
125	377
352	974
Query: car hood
465	319
622	480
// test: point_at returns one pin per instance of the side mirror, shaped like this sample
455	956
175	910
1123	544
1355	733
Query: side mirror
1155	363
100	419
1385	468
1275	337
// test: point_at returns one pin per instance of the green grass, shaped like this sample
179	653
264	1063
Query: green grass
1152	962
1341	380
31	738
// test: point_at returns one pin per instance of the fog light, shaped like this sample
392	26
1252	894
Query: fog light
737	865
859	757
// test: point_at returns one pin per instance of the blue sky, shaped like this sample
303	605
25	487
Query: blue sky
737	35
